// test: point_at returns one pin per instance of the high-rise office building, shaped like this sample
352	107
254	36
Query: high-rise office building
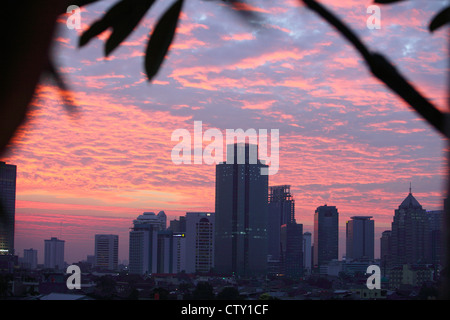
8	173
241	212
178	225
106	251
326	235
165	252
179	252
143	245
435	222
281	211
90	259
307	254
54	254
360	236
292	249
30	259
199	242
410	233
163	218
385	251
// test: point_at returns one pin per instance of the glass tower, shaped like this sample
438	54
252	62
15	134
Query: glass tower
8	174
241	213
410	241
106	251
326	235
360	238
281	210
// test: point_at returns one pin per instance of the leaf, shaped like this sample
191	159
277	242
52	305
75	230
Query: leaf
94	30
161	39
101	25
244	10
64	91
127	22
440	19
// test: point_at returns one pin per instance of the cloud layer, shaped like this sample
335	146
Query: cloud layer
345	139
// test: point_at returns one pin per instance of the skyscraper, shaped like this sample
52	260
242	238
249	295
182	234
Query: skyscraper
199	241
30	258
385	250
292	249
435	221
163	218
179	252
165	252
307	256
281	211
8	175
54	254
326	235
179	225
143	246
410	233
241	212
106	251
360	238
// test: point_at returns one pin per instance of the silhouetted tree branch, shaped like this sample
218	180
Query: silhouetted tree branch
385	71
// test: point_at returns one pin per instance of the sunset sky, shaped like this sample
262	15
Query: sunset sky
345	140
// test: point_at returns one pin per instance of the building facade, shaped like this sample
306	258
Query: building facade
360	236
54	254
241	213
281	211
385	251
106	251
165	252
292	249
199	242
8	174
143	245
435	223
410	242
30	259
179	252
412	275
307	254
326	235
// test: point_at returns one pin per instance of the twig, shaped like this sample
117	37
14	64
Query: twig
385	71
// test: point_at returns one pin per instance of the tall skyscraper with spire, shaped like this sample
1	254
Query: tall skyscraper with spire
241	213
410	233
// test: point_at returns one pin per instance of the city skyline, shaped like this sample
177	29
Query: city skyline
345	140
342	231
